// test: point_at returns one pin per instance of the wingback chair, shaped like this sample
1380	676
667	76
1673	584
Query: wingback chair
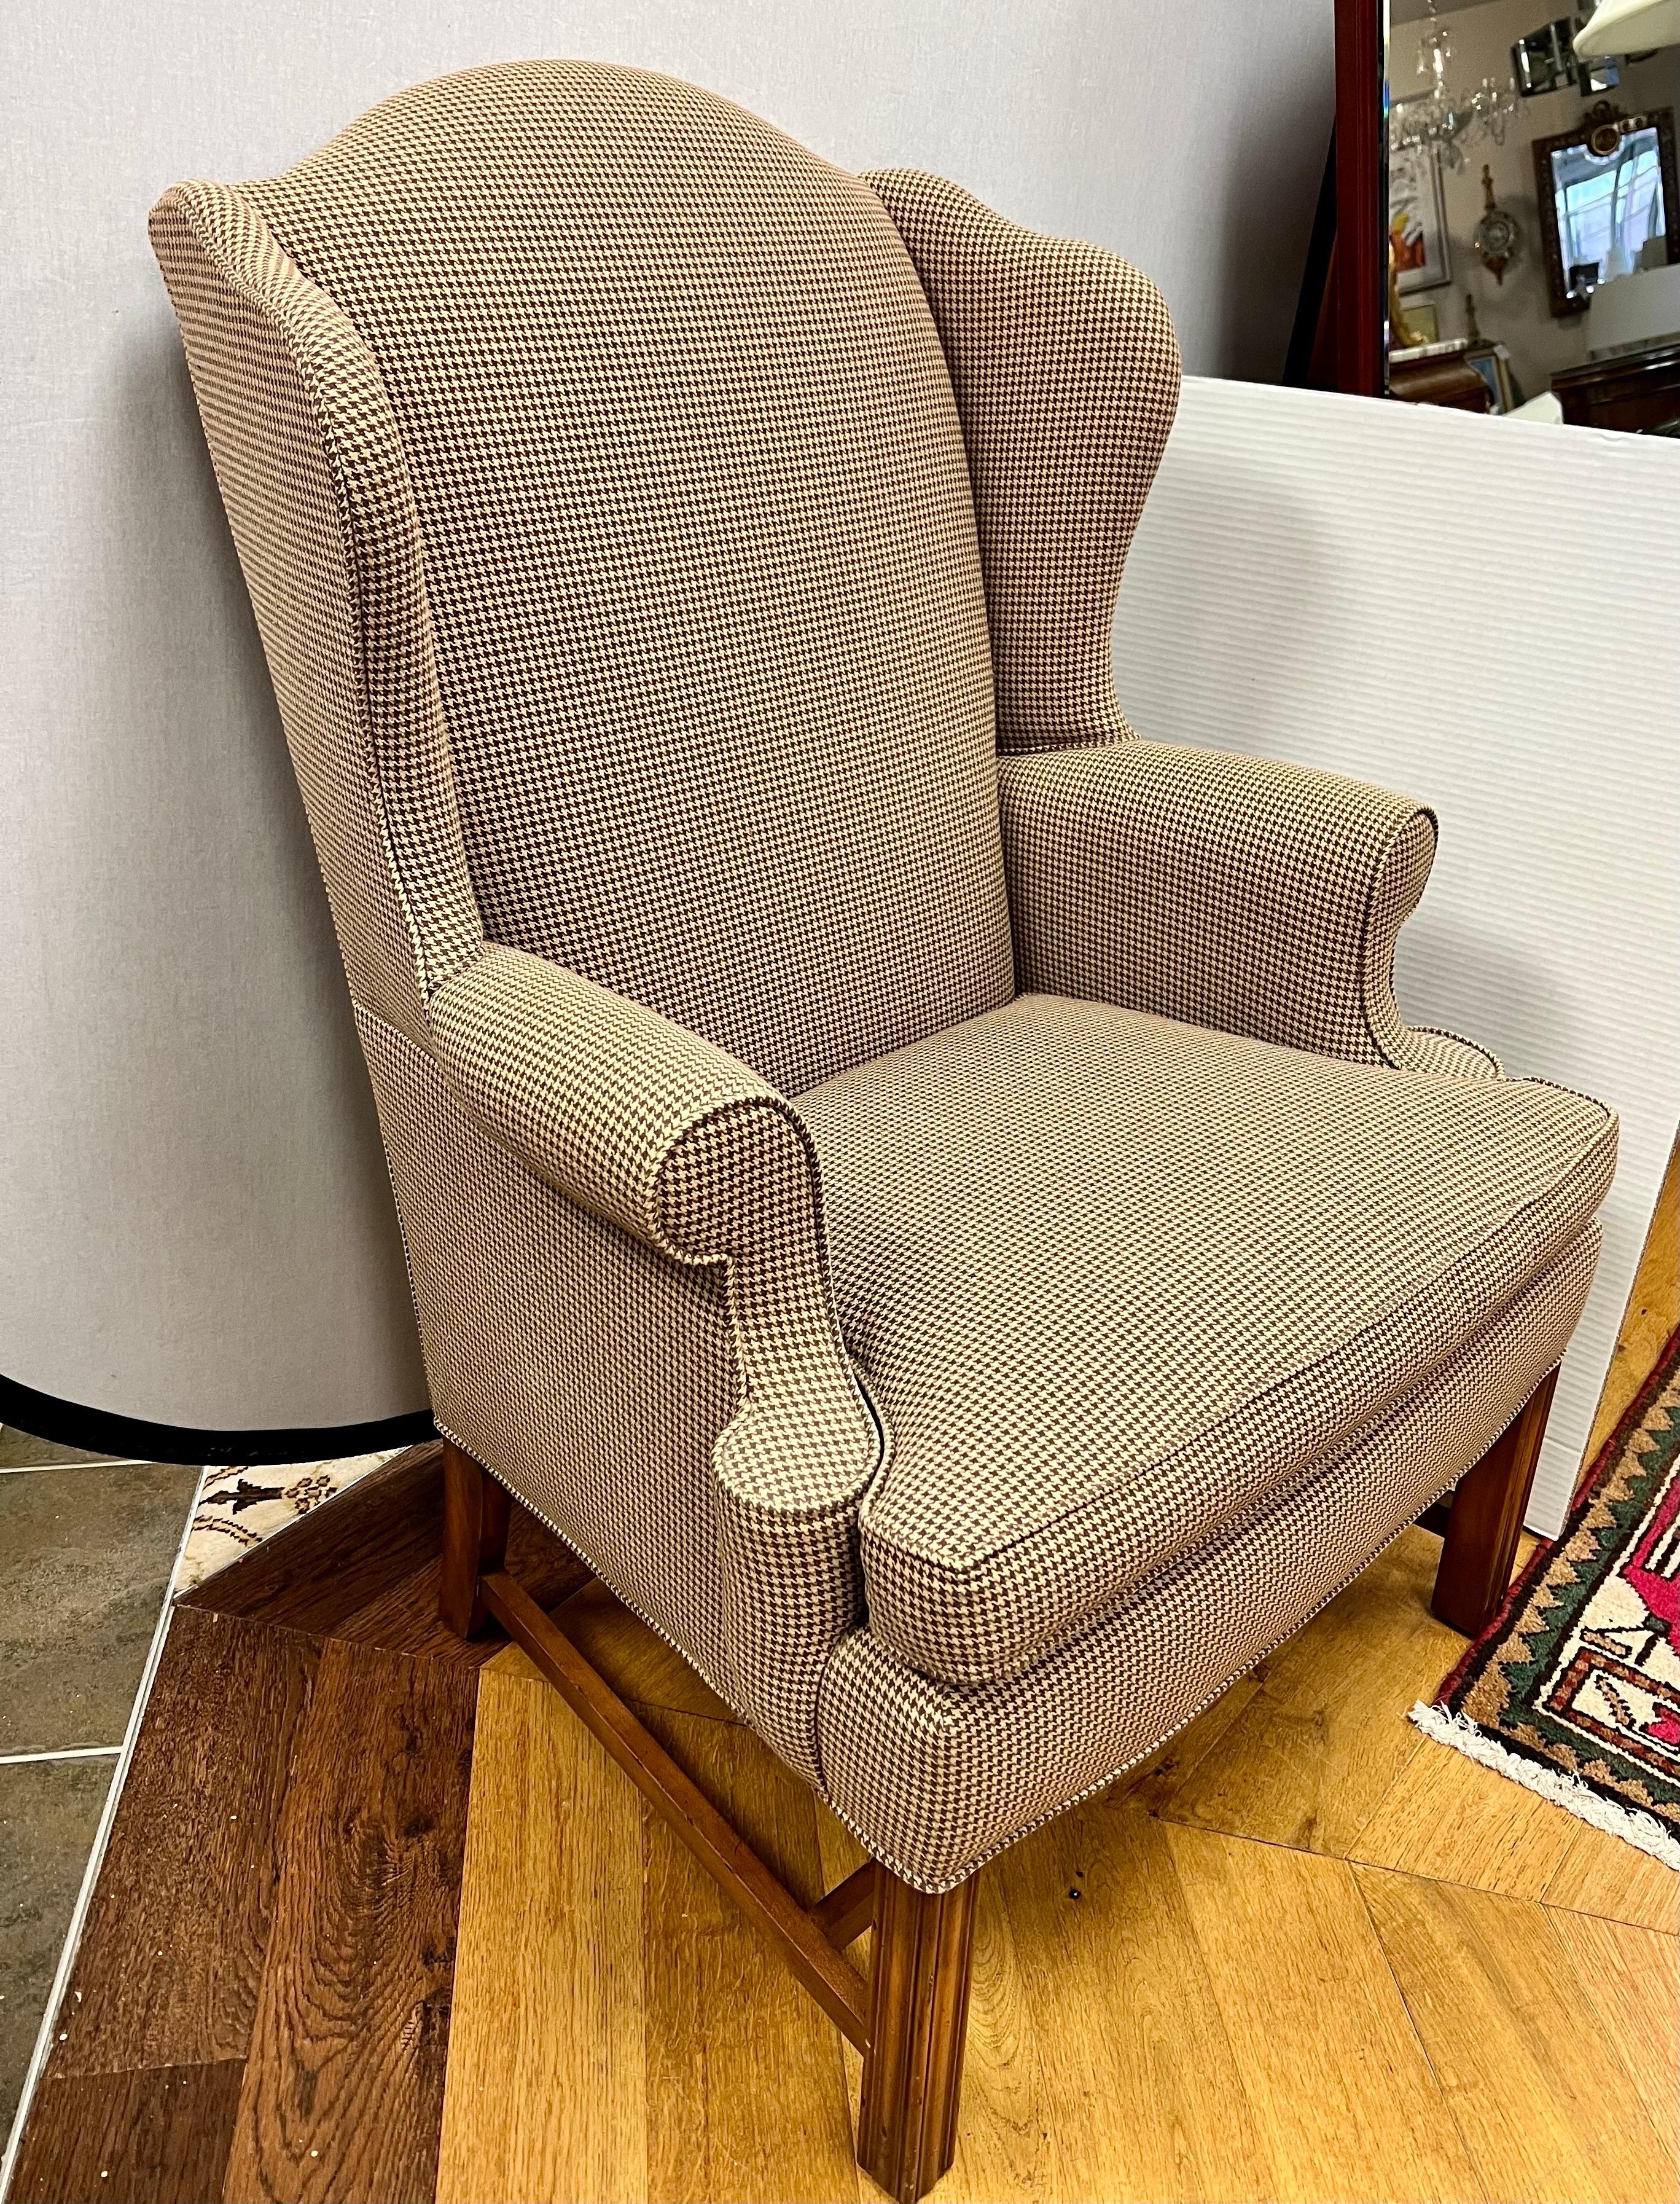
930	1194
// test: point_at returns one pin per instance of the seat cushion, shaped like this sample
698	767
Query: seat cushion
1110	1279
934	1777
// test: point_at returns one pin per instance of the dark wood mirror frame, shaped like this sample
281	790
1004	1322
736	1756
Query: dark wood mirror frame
1338	342
1606	120
1362	197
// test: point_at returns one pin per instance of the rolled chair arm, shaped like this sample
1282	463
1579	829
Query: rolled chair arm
1229	891
672	1139
612	1103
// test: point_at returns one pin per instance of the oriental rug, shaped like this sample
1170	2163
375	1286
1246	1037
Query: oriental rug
1574	1688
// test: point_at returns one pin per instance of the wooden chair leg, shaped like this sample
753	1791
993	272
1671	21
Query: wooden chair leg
475	1539
919	2015
1487	1521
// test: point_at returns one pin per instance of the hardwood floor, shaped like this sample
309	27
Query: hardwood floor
378	1919
344	2073
1305	1953
259	2004
161	2132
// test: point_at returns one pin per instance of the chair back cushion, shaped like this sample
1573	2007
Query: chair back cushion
699	547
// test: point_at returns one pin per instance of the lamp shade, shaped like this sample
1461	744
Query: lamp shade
1628	26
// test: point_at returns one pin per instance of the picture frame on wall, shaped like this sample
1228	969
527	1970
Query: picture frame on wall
1417	220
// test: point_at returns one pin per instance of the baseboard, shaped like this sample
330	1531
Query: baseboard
96	1431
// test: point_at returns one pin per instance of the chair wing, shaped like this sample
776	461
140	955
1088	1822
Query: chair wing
1066	368
314	479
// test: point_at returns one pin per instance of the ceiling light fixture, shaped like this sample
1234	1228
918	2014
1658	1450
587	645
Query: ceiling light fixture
1443	121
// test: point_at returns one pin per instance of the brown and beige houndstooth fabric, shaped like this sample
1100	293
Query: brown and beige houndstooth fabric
699	546
1226	891
638	512
662	1134
1066	368
934	1777
1231	1256
315	486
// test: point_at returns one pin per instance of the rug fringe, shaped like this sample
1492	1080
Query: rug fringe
1564	1790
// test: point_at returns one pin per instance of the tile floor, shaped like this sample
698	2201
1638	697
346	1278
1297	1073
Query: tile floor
87	1548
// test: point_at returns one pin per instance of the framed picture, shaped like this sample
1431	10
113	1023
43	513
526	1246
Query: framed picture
1417	220
1425	323
1492	361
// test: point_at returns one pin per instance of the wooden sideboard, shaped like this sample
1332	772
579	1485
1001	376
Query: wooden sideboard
1638	390
1438	375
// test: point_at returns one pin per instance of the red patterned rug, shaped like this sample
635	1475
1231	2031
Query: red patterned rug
1574	1688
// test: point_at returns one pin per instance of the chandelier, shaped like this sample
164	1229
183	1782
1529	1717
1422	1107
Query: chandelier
1443	121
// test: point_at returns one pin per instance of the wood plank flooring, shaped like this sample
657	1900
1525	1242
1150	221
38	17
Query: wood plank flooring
259	2005
160	2132
1305	1953
344	2074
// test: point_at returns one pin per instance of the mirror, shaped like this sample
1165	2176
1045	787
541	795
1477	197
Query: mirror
1518	196
1545	61
1607	202
1499	231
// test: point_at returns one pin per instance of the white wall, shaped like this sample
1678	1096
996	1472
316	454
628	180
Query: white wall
193	1214
1506	648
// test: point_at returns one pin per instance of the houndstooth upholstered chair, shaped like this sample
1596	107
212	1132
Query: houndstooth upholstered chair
930	1194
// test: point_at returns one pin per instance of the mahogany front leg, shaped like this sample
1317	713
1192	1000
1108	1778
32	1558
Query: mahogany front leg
475	1511
1487	1521
919	2017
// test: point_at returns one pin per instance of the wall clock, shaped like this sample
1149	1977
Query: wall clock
1497	236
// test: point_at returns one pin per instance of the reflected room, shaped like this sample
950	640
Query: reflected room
1533	221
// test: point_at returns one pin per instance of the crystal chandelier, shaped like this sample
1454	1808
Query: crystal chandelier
1444	121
